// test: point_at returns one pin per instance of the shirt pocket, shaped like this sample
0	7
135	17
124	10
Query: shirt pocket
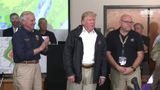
28	44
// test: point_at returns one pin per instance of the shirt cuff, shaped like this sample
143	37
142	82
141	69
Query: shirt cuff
102	77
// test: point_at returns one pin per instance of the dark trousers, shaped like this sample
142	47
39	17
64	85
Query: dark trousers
156	78
106	85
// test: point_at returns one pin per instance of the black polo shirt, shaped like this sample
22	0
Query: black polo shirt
133	44
51	36
146	42
24	43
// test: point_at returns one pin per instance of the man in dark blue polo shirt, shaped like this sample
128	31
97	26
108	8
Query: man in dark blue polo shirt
125	53
27	46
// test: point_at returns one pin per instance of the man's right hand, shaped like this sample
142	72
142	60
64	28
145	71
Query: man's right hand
71	78
46	40
44	44
121	69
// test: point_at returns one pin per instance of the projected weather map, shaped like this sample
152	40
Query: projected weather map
55	11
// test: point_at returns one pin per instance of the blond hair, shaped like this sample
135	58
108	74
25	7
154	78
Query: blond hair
88	13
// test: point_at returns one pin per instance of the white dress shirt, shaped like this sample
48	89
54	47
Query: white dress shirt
15	29
157	40
88	39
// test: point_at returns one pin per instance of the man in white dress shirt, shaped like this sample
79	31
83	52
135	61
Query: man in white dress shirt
14	18
84	55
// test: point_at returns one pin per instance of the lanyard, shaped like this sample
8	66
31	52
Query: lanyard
123	43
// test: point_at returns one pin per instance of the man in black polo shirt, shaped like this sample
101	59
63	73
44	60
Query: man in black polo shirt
124	53
42	23
145	72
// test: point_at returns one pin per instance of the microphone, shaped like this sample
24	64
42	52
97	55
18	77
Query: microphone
1	75
1	78
135	83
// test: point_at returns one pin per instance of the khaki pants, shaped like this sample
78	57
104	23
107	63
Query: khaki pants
120	81
86	83
27	77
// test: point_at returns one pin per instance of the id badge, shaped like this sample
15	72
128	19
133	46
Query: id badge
122	60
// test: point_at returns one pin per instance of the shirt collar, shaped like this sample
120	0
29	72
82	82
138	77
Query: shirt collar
27	31
15	29
84	30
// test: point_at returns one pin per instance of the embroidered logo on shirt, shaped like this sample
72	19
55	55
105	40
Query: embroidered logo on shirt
26	39
132	39
99	42
37	37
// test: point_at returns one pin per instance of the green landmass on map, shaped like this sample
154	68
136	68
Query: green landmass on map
17	6
55	16
8	52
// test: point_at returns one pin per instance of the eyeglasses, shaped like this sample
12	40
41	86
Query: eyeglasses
137	28
130	22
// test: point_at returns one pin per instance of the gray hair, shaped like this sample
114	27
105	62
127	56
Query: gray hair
24	14
88	13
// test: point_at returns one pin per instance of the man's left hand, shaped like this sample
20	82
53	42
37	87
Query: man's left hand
101	80
128	70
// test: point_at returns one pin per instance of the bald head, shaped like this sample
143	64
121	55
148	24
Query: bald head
126	22
125	16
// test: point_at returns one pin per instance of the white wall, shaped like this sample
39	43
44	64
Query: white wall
80	6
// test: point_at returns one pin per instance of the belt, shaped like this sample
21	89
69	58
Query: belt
87	65
30	62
